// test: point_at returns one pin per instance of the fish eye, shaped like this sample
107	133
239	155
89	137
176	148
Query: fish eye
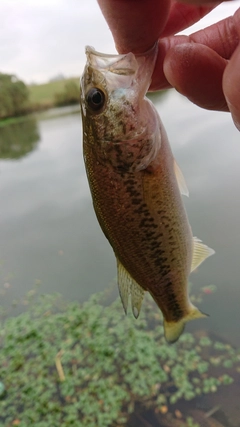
95	99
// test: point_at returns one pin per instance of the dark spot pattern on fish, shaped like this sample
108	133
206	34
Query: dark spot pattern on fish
121	168
132	192
123	125
147	222
142	209
130	181
172	304
136	201
166	294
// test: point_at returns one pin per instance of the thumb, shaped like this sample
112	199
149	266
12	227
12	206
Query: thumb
231	82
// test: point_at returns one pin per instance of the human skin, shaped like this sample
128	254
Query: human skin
204	66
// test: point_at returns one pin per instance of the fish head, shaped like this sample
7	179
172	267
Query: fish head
113	106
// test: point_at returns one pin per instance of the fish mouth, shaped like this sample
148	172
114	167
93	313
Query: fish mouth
125	64
90	50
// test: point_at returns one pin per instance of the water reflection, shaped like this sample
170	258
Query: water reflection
18	139
48	230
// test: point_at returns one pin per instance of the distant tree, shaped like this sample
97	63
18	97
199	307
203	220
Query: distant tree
70	95
13	96
72	91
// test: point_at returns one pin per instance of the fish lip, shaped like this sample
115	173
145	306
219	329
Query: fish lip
91	50
114	63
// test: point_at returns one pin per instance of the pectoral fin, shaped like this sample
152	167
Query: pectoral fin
200	253
128	286
181	180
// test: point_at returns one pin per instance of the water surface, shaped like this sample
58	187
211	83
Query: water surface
48	230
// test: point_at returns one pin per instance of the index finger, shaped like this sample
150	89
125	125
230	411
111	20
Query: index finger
203	2
182	16
135	24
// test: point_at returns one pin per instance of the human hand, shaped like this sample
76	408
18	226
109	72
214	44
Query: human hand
205	66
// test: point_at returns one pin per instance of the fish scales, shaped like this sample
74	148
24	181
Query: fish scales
145	214
135	187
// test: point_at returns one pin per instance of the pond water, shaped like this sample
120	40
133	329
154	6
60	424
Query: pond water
48	230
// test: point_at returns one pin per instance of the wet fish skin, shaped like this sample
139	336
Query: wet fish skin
136	197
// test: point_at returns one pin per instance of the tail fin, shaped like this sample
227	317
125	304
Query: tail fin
173	330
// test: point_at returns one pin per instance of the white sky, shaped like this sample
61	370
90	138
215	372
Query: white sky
42	38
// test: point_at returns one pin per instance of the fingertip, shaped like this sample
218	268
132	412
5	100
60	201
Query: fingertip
159	80
196	71
135	25
202	2
231	86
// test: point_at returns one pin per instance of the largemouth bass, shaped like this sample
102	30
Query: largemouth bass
136	187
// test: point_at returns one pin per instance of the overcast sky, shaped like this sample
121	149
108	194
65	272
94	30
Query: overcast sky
42	38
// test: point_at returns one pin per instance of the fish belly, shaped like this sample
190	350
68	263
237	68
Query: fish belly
143	217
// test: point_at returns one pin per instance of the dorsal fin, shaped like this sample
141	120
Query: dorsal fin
128	286
200	253
180	180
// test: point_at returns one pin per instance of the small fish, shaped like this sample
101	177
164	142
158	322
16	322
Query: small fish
136	187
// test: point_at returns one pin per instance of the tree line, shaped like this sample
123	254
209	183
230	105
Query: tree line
15	96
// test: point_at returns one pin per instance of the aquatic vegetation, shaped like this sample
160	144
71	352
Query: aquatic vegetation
191	423
64	363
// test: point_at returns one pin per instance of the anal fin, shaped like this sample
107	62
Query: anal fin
137	294
124	285
200	253
128	286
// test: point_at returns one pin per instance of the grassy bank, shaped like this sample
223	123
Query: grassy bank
22	100
45	95
88	364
